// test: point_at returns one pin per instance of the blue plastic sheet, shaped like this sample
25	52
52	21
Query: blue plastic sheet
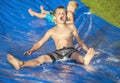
19	31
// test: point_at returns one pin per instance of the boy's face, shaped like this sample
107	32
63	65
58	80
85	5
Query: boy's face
60	15
69	7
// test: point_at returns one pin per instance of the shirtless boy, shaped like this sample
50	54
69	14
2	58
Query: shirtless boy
72	6
63	35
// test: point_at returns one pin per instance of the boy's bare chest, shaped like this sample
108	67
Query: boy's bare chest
64	33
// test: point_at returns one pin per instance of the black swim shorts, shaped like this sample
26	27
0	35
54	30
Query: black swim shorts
60	54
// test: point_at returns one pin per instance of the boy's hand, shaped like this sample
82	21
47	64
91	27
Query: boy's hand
27	52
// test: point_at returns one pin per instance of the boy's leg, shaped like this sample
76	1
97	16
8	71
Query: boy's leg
30	63
39	15
44	11
86	59
77	57
30	12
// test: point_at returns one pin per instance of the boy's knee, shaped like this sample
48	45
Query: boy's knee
45	58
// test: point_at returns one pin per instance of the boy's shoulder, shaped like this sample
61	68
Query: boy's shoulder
70	25
69	13
52	29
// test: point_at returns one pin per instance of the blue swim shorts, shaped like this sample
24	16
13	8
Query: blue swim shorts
49	17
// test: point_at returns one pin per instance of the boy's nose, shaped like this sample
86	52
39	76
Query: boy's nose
63	14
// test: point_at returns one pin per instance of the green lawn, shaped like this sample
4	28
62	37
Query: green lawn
108	10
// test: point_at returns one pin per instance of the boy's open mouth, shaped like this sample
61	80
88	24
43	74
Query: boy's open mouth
61	18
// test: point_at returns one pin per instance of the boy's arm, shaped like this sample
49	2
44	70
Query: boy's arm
70	18
80	42
37	45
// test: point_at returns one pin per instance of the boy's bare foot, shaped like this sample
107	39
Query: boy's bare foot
97	52
30	11
42	9
15	62
89	56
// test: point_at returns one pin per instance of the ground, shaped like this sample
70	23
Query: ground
106	9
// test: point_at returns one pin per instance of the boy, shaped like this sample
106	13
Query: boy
63	35
72	6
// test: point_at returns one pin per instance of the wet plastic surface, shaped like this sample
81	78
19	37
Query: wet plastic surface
19	31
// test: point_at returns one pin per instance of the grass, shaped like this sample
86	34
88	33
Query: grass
108	10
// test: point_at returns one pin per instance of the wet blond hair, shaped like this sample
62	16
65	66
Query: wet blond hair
73	3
